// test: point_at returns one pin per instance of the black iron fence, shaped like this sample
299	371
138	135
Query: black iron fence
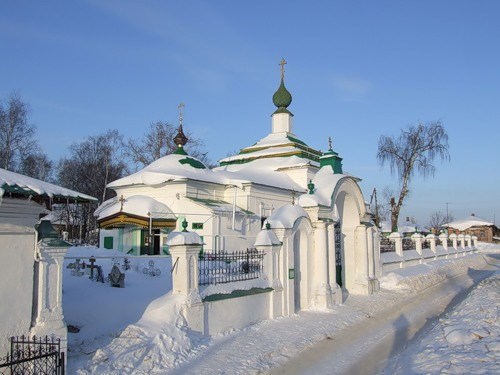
408	244
40	356
226	267
386	245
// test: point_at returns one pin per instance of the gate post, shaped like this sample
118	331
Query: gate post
184	248
47	317
267	242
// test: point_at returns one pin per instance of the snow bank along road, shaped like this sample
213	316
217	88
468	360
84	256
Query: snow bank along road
365	347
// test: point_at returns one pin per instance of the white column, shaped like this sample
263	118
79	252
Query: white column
417	239
323	298
398	242
432	240
48	315
461	238
361	254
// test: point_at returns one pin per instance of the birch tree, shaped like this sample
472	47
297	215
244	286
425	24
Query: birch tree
16	132
413	151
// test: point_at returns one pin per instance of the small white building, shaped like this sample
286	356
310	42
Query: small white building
317	211
30	292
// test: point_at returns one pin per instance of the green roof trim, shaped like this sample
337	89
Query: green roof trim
332	159
193	163
296	140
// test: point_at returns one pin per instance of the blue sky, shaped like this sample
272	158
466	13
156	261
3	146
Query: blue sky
356	70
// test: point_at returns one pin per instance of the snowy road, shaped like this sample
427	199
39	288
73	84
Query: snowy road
366	347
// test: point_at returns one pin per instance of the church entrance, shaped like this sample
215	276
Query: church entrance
338	253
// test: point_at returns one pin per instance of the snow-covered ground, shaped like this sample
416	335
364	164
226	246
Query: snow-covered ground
138	329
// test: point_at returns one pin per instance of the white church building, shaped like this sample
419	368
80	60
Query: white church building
316	211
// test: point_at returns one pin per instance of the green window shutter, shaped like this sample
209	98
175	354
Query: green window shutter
108	243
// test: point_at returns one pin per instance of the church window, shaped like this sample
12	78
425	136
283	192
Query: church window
197	225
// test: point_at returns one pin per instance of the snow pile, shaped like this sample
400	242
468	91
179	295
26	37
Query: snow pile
465	341
286	216
484	247
157	341
425	275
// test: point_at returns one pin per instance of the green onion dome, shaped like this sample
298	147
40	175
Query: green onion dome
282	98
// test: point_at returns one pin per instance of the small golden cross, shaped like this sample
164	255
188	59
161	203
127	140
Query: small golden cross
181	109
282	63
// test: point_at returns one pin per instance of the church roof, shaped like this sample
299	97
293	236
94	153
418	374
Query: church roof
138	205
170	168
285	216
275	145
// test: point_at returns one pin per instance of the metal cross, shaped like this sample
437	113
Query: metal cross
329	143
181	109
282	63
121	200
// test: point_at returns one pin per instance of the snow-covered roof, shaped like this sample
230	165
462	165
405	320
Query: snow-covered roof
325	182
286	216
218	206
138	205
266	238
469	222
170	168
264	172
176	167
277	144
12	182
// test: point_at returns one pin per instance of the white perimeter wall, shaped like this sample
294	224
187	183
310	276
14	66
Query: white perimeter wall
226	315
16	289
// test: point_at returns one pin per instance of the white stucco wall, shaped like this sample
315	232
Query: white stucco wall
16	289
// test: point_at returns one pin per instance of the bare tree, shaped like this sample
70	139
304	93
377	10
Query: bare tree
157	142
93	163
413	150
37	164
437	220
16	132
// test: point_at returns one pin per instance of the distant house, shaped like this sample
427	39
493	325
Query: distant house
484	230
30	265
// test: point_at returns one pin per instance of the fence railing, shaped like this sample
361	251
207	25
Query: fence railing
226	267
36	355
386	245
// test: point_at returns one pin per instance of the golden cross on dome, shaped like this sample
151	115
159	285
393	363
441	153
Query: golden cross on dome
181	110
282	64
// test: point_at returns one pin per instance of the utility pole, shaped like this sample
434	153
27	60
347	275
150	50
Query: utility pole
447	212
